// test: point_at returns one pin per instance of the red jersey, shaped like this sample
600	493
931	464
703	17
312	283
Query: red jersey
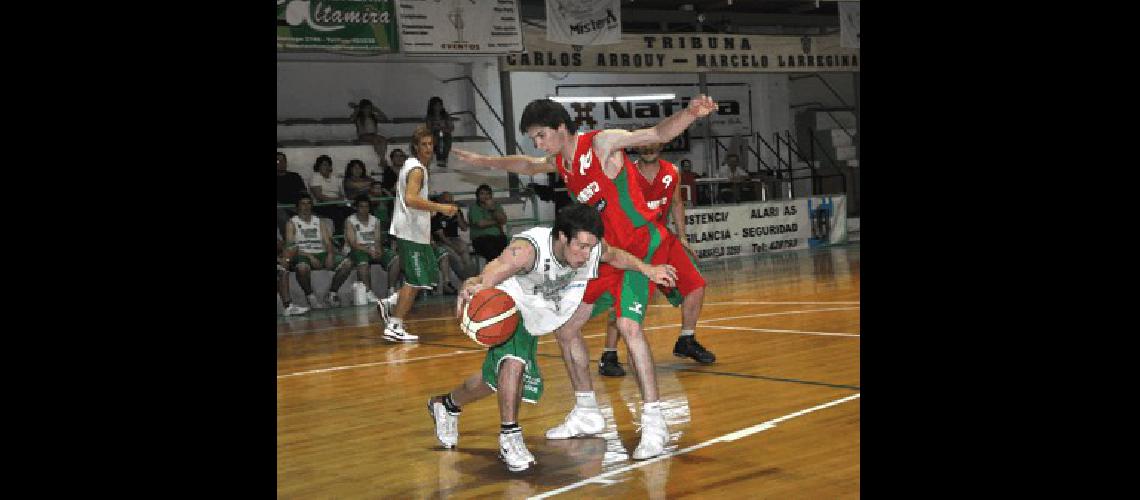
619	201
659	191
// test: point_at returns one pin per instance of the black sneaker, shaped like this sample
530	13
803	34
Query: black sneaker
688	347
609	365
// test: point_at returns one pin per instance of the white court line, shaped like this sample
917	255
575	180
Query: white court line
773	330
441	318
732	436
764	303
378	363
551	339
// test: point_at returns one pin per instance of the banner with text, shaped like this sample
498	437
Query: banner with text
459	26
583	22
686	53
733	115
336	25
733	230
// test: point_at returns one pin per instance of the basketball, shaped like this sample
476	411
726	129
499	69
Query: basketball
490	318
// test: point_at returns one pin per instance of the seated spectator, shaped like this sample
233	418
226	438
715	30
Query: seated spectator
311	245
689	179
362	232
487	220
738	181
392	171
283	279
356	180
439	121
382	210
445	232
326	189
366	116
289	188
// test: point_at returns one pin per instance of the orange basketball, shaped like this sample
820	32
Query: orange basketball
490	318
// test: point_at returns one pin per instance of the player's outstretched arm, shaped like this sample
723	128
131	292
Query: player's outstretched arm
517	258
664	132
662	275
519	164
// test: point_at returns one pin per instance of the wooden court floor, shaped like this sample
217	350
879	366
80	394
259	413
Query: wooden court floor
776	416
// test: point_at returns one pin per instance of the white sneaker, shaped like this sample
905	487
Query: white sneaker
512	450
371	297
334	299
580	422
316	304
398	334
295	309
446	423
654	436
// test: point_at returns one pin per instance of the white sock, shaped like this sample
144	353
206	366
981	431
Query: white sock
653	408
586	399
687	333
609	349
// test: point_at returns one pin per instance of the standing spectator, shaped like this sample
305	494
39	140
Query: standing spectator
366	117
487	220
445	232
289	189
738	181
327	189
439	121
356	180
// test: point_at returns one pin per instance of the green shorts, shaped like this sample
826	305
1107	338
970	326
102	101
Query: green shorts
385	258
419	263
522	346
314	260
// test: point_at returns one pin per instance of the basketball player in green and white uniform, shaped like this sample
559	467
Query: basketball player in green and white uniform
314	250
545	272
411	226
362	232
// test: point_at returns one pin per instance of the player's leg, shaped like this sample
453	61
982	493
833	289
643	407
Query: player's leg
634	295
303	265
420	272
691	285
608	365
342	268
585	418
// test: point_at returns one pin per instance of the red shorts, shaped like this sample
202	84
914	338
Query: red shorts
672	252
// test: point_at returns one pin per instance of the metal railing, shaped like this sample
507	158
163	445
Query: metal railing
480	125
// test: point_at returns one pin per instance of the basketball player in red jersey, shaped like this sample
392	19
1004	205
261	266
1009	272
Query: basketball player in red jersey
597	173
660	183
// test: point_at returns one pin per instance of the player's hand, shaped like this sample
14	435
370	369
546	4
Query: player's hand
662	275
449	210
470	287
701	106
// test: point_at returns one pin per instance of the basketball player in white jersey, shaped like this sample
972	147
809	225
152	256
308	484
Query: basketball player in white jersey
411	226
545	271
310	242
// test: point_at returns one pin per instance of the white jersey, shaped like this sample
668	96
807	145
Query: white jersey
549	293
307	235
411	224
365	233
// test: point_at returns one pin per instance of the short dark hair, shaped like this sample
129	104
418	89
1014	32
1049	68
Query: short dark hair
578	217
362	197
302	196
546	113
320	159
483	187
